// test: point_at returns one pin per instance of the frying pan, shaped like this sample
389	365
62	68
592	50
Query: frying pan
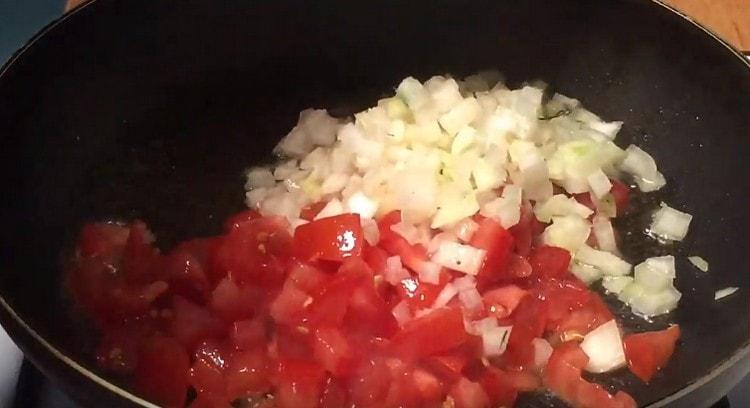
151	109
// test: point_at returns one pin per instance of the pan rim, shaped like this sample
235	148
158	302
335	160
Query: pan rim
9	312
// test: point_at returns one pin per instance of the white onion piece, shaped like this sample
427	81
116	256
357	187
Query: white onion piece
463	258
616	284
604	233
370	230
402	313
609	129
542	352
254	197
394	271
560	205
670	224
722	293
413	93
603	346
608	263
465	229
470	299
655	274
599	183
438	240
482	325
429	272
446	295
586	273
643	167
699	263
569	232
361	204
407	231
259	177
654	304
461	115
495	340
465	283
331	209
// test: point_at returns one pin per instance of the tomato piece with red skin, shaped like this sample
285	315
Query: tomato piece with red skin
429	387
139	254
369	384
501	302
102	239
247	373
532	313
309	212
248	334
440	330
468	394
649	352
448	367
402	392
334	394
162	371
234	221
549	261
332	350
376	258
232	302
299	383
526	230
329	239
291	342
419	295
563	377
499	387
256	252
582	320
621	194
519	353
186	275
412	256
206	375
192	323
498	244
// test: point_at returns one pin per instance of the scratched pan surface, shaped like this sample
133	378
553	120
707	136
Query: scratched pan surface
151	109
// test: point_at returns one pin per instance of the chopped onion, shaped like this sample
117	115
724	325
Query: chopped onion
446	295
599	183
722	293
586	273
259	177
670	224
655	304
332	208
608	263
463	258
429	272
401	312
394	270
361	204
460	116
643	167
407	231
465	283
465	229
438	240
560	205
603	346
655	274
495	340
604	233
569	232
482	325
470	299
542	352
615	284
699	263
370	230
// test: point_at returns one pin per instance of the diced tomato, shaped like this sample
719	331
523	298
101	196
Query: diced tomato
192	323
448	367
248	334
518	267
467	394
621	193
162	372
334	395
187	276
290	305
429	386
118	348
232	302
309	212
375	257
499	387
332	350
255	252
524	232
502	301
549	261
420	295
139	255
440	330
247	373
519	353
368	386
563	377
585	199
331	239
207	373
649	352
402	391
412	256
498	243
209	401
532	313
298	384
234	221
106	240
582	320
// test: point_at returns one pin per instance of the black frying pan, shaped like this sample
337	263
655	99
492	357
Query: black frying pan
151	109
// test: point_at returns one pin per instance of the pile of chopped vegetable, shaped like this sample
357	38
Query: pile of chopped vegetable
432	251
